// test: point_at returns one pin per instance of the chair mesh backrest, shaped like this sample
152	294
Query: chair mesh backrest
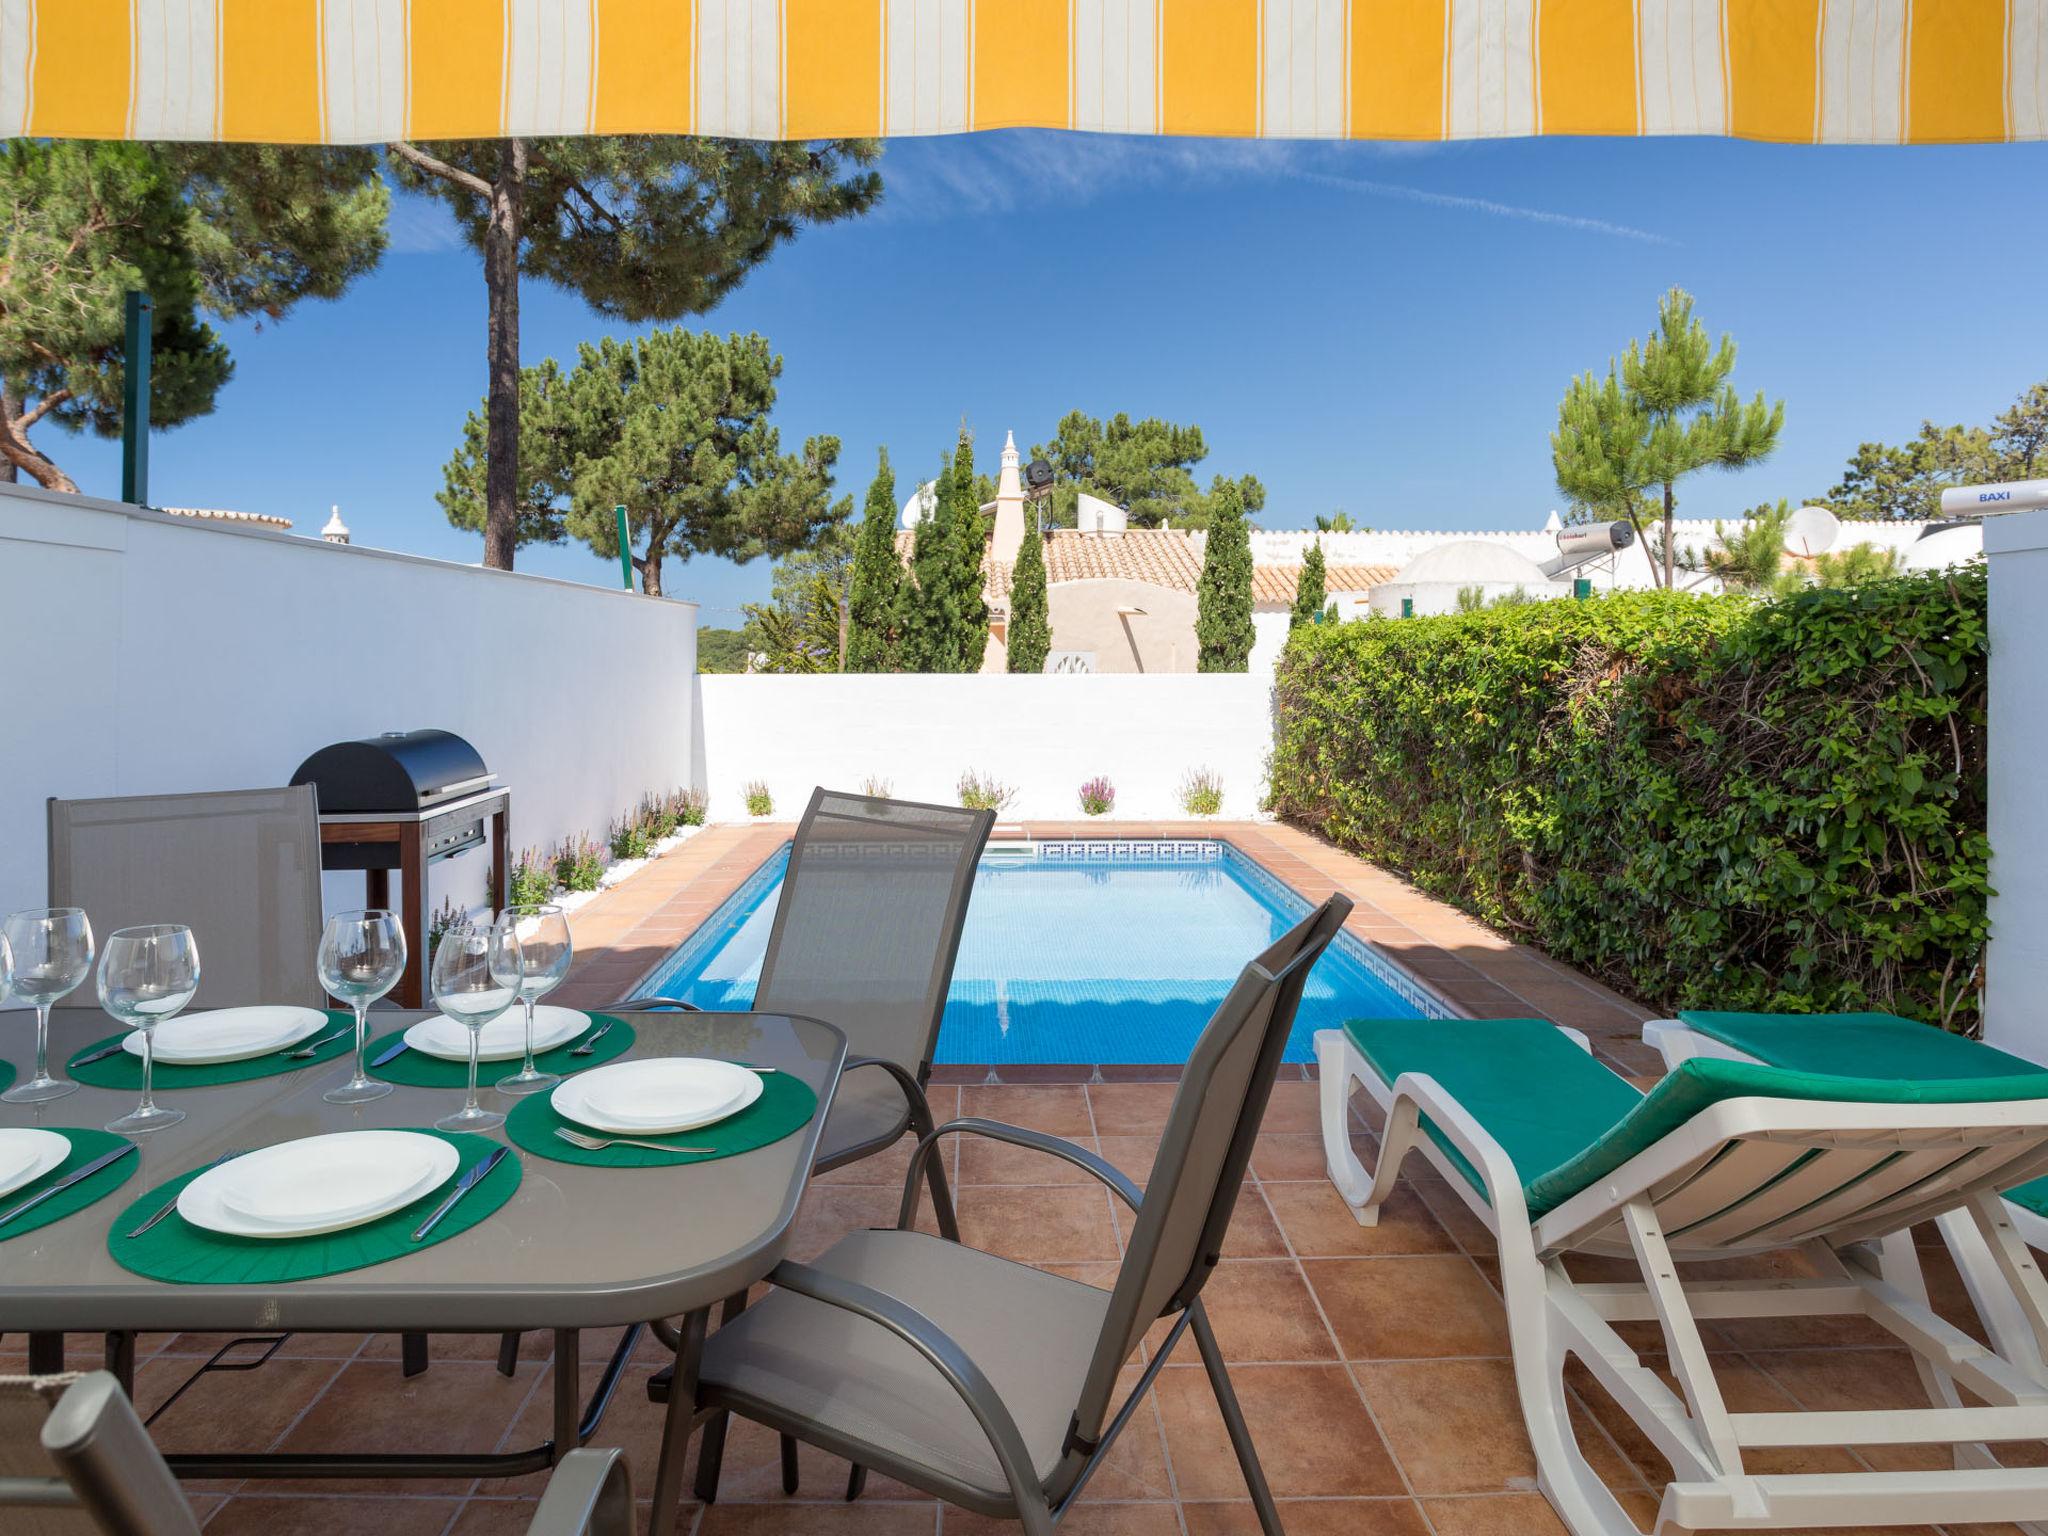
241	869
1206	1146
868	924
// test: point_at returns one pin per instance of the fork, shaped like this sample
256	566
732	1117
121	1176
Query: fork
315	1047
599	1143
171	1204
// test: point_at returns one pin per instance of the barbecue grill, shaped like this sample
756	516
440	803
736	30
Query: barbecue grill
406	800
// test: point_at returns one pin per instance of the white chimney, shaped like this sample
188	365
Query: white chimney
1009	534
1094	515
336	531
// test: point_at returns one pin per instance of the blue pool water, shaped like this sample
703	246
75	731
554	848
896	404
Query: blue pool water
1083	952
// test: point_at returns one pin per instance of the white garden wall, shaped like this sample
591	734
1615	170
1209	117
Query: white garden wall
1043	735
143	653
2016	966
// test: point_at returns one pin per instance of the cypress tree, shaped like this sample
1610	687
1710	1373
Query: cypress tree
929	621
1030	626
969	545
1308	589
874	596
1223	614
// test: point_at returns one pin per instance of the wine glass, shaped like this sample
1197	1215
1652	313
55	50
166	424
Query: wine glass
477	975
52	949
146	976
362	955
545	952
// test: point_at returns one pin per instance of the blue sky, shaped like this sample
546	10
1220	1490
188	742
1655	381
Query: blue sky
1376	328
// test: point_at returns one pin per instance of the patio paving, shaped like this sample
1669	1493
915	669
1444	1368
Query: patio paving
1372	1364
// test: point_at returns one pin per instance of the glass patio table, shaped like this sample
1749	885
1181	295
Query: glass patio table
575	1247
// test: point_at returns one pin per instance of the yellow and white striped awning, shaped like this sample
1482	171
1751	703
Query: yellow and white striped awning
346	71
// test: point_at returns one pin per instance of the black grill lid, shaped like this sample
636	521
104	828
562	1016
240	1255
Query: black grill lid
398	771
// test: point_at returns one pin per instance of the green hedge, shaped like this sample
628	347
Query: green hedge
1705	802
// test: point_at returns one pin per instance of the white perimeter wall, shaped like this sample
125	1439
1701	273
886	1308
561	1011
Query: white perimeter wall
1042	734
143	653
2016	969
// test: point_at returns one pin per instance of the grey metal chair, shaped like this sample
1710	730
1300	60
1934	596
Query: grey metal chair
866	932
991	1384
76	1461
240	868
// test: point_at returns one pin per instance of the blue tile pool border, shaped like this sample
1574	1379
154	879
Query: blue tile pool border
718	926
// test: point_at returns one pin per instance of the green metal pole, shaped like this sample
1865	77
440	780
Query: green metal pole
135	401
625	549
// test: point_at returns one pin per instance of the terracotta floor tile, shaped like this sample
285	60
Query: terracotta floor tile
456	1406
983	1161
1310	1517
227	1410
1136	1465
1046	1224
1406	1308
1294	1155
1295	1107
1130	1109
1262	1310
1085	1519
1455	1424
1133	1154
869	1517
1062	1111
1313	1435
332	1515
1512	1514
1320	1225
1253	1233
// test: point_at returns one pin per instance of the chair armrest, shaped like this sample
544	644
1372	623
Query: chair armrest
1415	1095
589	1494
639	1004
995	1130
912	1089
945	1356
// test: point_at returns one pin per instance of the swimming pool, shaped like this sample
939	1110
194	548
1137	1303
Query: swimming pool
1104	951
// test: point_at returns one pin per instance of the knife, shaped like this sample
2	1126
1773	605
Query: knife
468	1182
99	1055
390	1052
91	1168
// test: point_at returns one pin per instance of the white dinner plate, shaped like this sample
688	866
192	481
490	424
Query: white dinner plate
503	1039
26	1156
317	1184
657	1095
229	1034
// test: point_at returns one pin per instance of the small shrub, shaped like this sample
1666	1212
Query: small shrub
875	787
1201	792
690	805
532	880
629	838
579	863
440	920
759	801
984	791
658	817
1098	796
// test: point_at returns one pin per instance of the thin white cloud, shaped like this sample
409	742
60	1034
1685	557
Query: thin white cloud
420	226
1039	172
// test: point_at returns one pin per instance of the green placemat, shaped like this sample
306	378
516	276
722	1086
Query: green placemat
176	1250
124	1071
786	1104
6	1075
419	1070
85	1146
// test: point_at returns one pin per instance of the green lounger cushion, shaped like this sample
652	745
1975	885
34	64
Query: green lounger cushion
1868	1045
1542	1097
1855	1044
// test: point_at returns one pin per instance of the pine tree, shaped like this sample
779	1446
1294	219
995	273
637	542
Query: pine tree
1030	625
877	592
1223	616
928	618
1308	589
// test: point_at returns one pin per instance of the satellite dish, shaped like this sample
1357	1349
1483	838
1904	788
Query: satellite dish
1812	531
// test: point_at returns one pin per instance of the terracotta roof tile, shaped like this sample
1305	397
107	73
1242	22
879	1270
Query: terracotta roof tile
1276	583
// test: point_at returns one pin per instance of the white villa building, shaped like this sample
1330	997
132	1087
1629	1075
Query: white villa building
1122	599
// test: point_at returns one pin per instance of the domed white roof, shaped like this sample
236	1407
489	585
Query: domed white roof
1944	547
1470	562
922	503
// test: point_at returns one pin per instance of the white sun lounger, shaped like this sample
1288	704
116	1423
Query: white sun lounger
1558	1155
